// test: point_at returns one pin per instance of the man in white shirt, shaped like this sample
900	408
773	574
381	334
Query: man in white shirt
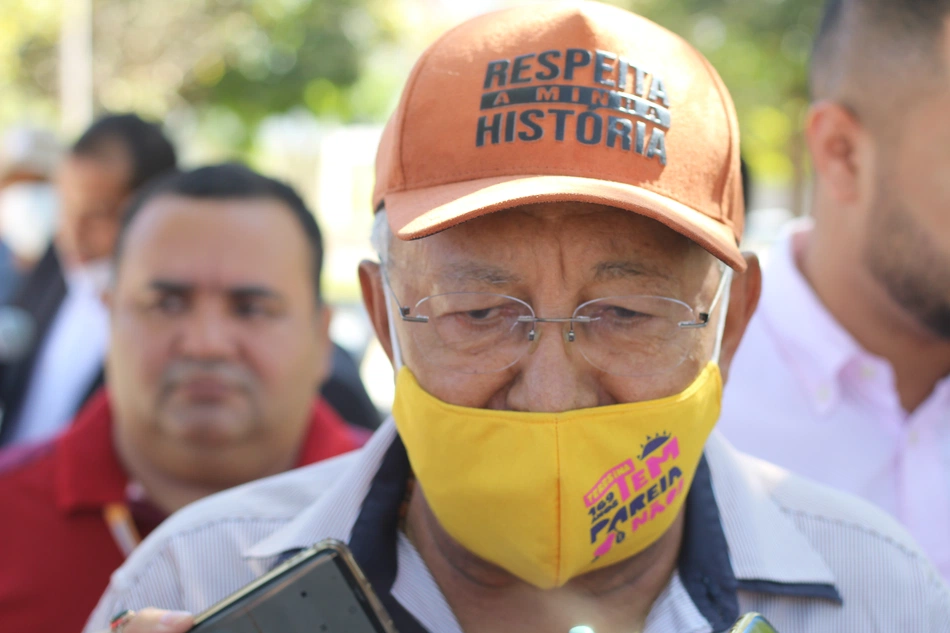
558	201
41	390
843	374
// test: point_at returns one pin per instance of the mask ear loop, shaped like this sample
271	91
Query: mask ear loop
723	313
393	338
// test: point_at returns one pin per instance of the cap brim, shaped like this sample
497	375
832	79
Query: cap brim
421	212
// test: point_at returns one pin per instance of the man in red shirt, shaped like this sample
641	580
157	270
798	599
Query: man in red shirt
218	342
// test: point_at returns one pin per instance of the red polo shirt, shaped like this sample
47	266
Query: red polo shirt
56	551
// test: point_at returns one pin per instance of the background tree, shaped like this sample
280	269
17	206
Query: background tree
215	69
241	60
761	49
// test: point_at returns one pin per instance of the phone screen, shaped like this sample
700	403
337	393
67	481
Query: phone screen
320	596
752	623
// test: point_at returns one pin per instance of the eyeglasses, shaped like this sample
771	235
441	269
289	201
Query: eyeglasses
484	332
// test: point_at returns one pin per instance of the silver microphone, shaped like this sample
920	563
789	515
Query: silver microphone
17	329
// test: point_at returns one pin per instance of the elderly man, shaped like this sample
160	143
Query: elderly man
844	375
218	341
562	186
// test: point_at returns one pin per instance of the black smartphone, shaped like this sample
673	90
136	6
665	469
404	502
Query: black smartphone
320	590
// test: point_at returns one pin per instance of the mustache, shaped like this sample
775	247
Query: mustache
185	371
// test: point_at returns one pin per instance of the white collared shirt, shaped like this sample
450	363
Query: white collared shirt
803	394
797	550
70	357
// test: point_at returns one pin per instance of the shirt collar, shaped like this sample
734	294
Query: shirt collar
90	277
736	537
816	347
327	436
766	550
89	474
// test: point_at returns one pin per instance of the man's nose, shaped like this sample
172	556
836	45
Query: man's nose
553	376
207	334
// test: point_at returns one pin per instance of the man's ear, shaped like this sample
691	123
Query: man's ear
836	142
107	296
374	299
743	300
125	203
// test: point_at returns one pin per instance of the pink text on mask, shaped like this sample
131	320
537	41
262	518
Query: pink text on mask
637	478
662	489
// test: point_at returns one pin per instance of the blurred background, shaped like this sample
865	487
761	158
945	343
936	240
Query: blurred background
300	89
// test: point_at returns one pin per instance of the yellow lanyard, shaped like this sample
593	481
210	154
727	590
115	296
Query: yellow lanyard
119	519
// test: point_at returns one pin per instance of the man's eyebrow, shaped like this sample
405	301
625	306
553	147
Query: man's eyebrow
480	273
245	291
253	292
624	269
169	286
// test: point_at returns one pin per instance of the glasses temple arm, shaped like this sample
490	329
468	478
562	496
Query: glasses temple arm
704	316
403	310
726	277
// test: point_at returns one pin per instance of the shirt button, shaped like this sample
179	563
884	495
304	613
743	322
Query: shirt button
824	394
868	372
912	437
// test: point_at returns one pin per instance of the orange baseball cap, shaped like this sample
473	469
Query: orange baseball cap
564	101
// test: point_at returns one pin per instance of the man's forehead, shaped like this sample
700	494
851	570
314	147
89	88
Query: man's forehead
589	217
610	239
601	270
216	275
175	217
111	156
94	174
211	242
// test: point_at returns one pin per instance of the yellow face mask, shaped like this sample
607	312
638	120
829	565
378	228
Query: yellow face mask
549	497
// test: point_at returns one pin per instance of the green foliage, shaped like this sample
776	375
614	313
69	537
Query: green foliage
28	34
761	50
300	53
228	64
217	58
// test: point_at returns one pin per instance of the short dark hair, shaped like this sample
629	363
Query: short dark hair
229	181
151	152
746	183
856	37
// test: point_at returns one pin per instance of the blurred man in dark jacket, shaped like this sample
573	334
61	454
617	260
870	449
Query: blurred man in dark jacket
43	384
